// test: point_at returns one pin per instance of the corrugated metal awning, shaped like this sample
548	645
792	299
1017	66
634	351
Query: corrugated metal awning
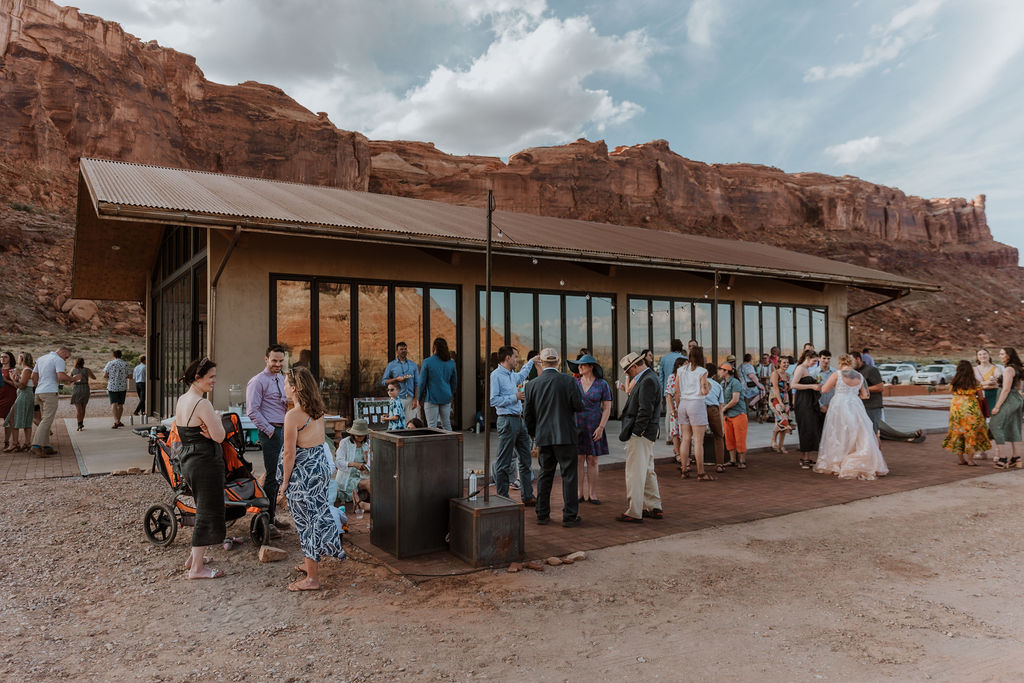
174	196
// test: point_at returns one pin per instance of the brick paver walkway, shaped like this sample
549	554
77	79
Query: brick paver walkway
773	485
24	465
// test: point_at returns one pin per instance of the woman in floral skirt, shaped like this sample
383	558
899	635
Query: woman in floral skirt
967	433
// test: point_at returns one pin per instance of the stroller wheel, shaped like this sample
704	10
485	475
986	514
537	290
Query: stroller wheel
160	525
259	529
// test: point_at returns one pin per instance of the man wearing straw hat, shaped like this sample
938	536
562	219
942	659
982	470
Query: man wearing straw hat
552	401
640	429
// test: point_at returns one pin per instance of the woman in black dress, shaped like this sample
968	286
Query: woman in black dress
805	405
202	463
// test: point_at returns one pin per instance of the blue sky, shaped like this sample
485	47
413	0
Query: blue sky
924	95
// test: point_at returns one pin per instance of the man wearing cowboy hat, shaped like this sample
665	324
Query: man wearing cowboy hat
552	401
640	429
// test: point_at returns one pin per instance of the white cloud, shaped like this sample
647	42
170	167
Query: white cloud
526	89
852	151
907	27
702	20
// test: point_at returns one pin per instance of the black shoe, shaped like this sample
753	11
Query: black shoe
281	524
541	521
529	502
575	521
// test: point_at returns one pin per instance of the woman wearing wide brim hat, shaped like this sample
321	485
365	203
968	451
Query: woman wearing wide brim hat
353	463
597	407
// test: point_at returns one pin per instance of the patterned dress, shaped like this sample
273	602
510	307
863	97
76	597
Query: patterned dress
670	388
967	430
307	502
780	404
589	419
20	416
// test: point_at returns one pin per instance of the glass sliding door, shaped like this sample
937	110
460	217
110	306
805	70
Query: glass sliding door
549	316
443	318
520	322
788	327
661	327
751	330
373	352
702	327
294	305
723	334
409	323
603	334
334	324
639	325
576	327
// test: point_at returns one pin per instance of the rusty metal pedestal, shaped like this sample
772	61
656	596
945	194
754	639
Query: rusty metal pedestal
487	532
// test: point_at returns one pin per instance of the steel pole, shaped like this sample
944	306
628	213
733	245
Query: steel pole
486	410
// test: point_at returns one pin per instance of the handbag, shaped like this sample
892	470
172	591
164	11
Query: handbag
986	410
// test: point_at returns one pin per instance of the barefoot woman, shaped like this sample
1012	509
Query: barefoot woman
202	464
305	472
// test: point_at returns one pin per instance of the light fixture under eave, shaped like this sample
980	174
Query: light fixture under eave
115	247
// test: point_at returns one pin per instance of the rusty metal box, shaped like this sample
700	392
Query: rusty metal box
487	533
413	474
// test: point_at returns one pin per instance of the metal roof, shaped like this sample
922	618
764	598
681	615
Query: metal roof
168	195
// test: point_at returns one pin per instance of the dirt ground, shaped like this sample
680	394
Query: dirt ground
912	586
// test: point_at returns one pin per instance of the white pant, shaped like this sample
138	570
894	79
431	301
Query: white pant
438	414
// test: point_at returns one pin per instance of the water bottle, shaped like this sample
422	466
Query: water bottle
472	485
359	511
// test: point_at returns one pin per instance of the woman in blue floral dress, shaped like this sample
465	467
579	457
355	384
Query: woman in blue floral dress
304	472
597	402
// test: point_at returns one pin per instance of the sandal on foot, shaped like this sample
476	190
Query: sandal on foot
705	476
1000	464
188	562
719	468
805	464
1014	464
210	574
741	466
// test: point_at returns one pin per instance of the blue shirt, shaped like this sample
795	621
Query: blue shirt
438	379
665	366
714	397
504	386
822	378
730	388
395	407
398	368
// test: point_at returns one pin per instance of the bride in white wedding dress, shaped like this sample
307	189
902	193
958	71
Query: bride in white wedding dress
849	447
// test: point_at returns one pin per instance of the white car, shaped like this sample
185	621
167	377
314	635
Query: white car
897	373
935	374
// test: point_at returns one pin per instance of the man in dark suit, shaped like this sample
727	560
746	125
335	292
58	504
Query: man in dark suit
552	401
640	428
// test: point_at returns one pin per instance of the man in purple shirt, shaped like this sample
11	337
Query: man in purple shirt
265	404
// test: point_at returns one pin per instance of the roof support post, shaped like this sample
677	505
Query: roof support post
486	411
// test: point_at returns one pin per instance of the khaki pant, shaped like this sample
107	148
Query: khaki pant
641	481
48	409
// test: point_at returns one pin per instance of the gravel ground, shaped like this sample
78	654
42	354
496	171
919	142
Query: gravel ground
913	586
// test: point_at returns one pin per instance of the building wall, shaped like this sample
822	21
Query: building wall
241	323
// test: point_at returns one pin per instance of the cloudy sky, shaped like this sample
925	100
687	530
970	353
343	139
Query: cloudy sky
925	95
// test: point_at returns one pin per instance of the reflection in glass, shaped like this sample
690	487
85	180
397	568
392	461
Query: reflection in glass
520	314
818	331
639	325
497	330
549	311
751	330
786	344
683	322
803	328
661	324
373	352
442	317
293	314
409	321
702	327
601	334
769	328
575	326
335	304
724	331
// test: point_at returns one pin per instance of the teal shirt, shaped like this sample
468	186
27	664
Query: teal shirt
729	387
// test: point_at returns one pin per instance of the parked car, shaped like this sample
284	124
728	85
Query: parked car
935	374
897	373
917	366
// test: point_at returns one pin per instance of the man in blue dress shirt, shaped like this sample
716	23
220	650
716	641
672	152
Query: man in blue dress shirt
513	439
406	372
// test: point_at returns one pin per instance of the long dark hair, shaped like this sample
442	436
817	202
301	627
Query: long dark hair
1014	361
680	362
80	363
196	369
441	349
643	354
10	355
307	393
807	353
696	357
964	379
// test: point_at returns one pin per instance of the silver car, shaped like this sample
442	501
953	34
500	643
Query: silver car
897	373
935	374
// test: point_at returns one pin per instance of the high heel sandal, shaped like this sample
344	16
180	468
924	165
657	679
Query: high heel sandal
1000	464
1014	463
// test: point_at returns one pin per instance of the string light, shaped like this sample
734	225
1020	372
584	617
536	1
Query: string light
534	261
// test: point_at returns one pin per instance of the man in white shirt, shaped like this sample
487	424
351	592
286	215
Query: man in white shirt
46	375
116	372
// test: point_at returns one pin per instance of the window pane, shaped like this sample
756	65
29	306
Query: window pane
751	331
803	328
639	325
409	321
373	351
661	327
601	333
520	312
769	328
497	324
724	331
336	347
786	345
293	319
702	327
575	326
443	309
684	322
549	310
818	333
